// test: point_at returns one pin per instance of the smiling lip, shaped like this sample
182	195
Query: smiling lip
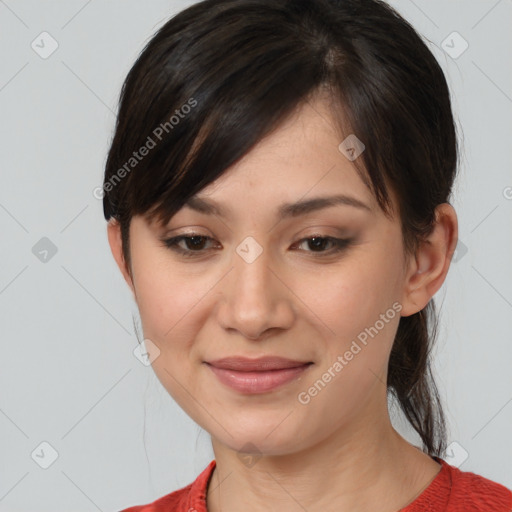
256	375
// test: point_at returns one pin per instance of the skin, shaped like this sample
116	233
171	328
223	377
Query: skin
339	451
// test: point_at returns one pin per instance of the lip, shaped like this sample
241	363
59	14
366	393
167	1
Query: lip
257	375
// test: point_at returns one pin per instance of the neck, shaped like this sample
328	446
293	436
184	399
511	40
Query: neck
362	467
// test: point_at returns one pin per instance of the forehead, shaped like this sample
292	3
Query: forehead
300	160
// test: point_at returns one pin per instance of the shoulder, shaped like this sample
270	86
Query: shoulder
191	498
173	501
474	493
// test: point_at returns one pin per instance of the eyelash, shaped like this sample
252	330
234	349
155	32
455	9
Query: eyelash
339	244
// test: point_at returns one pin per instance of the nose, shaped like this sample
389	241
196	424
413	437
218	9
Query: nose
257	300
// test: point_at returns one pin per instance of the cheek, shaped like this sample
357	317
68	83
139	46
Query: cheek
353	297
359	304
167	299
172	311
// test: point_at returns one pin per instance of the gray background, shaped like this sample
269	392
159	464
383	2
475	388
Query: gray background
68	376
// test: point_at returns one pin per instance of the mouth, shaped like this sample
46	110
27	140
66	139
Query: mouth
253	376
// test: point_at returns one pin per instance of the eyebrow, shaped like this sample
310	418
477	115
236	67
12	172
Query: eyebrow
286	210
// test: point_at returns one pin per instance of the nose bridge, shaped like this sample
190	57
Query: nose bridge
252	274
254	295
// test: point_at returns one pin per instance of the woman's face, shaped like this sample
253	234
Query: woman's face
255	286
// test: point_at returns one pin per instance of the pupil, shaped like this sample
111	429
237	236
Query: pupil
196	241
317	242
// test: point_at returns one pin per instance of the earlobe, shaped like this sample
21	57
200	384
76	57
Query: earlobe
429	266
116	246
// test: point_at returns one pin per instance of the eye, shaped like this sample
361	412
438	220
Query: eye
318	243
193	244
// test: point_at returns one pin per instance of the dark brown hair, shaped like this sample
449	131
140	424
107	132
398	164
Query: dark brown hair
222	74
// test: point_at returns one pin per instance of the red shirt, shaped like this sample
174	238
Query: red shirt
452	490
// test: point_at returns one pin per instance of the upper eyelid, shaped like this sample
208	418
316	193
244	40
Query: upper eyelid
320	232
307	237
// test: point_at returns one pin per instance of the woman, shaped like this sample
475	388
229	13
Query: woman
277	192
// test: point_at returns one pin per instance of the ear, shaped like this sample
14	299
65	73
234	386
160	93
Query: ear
428	267
116	246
